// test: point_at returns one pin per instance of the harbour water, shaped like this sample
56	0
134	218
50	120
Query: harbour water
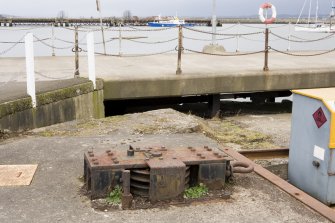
146	40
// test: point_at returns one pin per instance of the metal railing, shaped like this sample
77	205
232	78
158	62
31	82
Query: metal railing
261	35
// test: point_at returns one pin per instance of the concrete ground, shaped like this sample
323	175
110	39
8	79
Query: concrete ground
54	195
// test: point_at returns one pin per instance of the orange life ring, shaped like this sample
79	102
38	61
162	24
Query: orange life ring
261	13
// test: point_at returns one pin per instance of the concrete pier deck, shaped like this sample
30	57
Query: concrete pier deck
155	76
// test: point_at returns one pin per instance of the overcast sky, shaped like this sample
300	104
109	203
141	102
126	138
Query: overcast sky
87	8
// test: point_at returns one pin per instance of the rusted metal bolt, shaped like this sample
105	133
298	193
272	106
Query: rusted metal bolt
190	147
206	147
198	154
94	159
174	158
91	155
203	157
89	152
296	194
96	163
193	149
110	154
108	151
216	153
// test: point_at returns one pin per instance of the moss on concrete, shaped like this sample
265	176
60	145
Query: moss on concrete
11	107
61	94
226	131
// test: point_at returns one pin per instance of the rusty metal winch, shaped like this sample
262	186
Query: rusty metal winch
157	173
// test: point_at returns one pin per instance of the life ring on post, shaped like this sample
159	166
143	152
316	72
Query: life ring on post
261	13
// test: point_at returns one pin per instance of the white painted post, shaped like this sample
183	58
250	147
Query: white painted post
30	67
214	23
120	40
91	58
289	37
238	38
53	39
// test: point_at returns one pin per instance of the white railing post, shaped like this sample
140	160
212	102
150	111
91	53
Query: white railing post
30	67
91	58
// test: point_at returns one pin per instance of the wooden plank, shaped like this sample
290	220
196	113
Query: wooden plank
17	175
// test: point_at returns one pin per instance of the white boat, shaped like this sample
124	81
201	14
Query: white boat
159	22
315	26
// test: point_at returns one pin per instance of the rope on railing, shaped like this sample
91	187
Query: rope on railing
207	40
157	42
55	78
149	30
51	46
12	46
302	41
10	42
223	34
262	28
132	55
258	40
302	55
124	29
226	54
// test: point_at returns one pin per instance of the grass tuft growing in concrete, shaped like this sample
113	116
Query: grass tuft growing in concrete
196	192
114	197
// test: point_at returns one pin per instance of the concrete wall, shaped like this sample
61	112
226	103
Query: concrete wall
76	102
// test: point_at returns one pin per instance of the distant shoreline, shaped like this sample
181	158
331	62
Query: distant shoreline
112	21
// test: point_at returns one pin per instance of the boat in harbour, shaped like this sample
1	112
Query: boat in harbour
175	21
315	26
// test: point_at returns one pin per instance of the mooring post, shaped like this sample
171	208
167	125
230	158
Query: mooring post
266	52
76	52
30	67
91	58
127	197
53	39
180	49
